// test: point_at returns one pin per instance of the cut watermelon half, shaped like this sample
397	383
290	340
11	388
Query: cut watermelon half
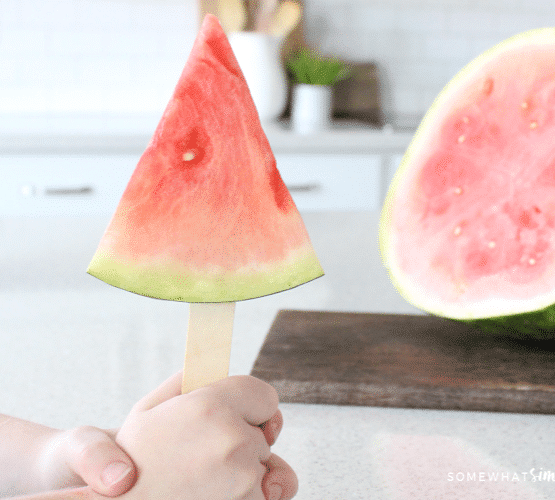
206	216
468	226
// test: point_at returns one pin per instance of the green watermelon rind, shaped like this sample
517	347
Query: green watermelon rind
538	318
187	286
537	324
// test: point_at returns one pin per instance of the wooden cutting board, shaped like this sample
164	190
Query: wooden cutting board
406	361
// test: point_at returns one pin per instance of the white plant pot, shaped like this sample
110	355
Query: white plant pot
258	55
311	108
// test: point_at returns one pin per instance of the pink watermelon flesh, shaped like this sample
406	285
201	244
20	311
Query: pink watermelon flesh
468	228
206	216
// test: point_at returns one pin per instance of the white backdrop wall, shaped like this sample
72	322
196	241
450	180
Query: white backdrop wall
122	57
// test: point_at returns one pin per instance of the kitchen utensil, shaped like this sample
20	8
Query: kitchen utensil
251	7
285	18
232	15
264	15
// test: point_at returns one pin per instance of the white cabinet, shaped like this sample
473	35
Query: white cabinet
332	181
345	168
53	185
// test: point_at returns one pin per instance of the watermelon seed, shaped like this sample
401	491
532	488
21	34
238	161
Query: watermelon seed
188	156
458	190
533	125
532	262
524	105
491	244
457	230
461	139
465	119
488	86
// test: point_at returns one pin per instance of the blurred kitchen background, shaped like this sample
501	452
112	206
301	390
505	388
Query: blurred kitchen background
122	57
83	84
93	76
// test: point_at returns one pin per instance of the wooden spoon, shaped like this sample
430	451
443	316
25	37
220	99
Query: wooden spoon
285	18
232	15
264	15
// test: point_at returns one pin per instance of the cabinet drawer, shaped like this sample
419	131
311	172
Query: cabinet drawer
55	185
332	181
63	185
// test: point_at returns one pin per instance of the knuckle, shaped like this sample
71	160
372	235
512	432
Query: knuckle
247	480
263	390
86	445
83	438
86	439
231	443
83	445
205	407
266	391
254	475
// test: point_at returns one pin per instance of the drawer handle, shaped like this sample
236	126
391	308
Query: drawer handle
63	191
304	188
31	190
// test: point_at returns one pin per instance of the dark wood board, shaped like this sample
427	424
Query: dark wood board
406	361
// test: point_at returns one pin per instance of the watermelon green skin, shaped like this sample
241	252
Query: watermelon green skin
535	324
468	226
206	216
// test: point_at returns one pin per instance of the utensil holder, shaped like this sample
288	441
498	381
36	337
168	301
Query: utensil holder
311	108
258	55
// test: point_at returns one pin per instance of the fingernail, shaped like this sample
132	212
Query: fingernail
274	491
114	473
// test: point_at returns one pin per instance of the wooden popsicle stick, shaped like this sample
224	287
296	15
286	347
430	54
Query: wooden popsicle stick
208	344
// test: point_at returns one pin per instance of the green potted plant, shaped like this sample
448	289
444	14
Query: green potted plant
313	78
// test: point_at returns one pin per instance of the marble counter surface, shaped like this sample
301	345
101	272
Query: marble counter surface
76	351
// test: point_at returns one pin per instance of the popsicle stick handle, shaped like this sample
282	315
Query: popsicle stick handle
208	344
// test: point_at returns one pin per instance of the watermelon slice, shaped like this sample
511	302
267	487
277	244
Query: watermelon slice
206	216
468	226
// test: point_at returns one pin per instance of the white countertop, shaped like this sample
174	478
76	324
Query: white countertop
77	351
130	134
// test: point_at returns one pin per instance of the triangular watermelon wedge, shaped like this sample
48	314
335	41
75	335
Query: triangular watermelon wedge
206	216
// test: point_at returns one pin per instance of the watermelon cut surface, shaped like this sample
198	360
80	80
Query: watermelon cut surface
468	226
206	216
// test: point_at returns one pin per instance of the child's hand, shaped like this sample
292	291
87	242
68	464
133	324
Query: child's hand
35	458
87	455
207	444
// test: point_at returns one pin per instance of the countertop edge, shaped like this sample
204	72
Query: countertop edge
339	139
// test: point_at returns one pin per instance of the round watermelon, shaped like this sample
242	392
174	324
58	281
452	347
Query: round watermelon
468	226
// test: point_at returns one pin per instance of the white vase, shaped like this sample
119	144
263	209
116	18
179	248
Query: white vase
258	55
311	108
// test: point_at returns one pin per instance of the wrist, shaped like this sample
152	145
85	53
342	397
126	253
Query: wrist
86	456
24	455
53	470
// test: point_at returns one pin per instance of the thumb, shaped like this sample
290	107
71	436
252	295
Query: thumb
93	454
